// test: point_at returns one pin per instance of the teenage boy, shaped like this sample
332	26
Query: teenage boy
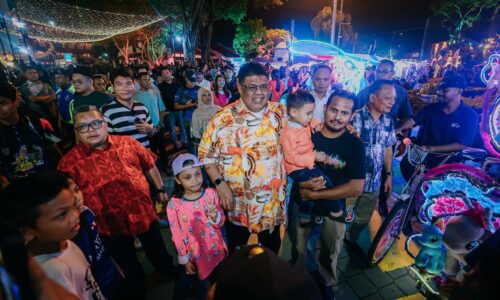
43	208
27	143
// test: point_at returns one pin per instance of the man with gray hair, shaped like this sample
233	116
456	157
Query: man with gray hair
112	173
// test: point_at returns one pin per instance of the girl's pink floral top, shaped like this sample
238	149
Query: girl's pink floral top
197	238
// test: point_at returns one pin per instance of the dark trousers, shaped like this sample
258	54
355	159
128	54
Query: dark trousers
186	283
158	146
306	207
237	236
121	249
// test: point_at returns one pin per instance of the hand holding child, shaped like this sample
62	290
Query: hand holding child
212	210
319	156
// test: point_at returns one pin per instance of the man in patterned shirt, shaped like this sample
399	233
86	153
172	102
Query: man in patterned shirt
241	149
376	128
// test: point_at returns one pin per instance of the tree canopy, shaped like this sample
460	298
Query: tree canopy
458	15
250	35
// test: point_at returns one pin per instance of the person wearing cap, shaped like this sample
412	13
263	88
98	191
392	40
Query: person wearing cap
195	218
112	173
446	126
186	100
65	94
86	95
244	160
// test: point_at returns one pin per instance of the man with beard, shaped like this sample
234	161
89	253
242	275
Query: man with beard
446	126
344	165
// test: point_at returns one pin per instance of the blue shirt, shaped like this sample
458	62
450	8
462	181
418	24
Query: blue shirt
376	136
183	96
65	102
438	128
153	102
400	110
103	268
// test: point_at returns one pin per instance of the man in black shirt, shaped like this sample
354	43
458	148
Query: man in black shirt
344	166
168	88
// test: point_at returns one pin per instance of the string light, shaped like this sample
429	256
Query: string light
59	22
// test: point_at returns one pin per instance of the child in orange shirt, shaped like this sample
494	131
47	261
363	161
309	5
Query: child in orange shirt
299	153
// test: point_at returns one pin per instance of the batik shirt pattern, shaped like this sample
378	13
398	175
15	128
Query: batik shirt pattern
246	148
376	136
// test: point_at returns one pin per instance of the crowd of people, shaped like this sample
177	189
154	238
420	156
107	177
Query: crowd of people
84	157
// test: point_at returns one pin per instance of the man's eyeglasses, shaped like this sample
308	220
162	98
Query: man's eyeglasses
96	124
253	88
383	71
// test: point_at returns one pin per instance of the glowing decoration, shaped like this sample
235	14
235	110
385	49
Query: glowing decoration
491	69
23	50
348	68
490	130
452	189
56	21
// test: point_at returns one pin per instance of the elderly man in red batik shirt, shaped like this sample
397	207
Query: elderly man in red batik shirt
111	171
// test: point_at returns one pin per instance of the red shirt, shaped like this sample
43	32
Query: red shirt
113	184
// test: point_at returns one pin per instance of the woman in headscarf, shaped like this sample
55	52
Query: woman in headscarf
202	114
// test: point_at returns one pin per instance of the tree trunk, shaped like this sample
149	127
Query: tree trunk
206	51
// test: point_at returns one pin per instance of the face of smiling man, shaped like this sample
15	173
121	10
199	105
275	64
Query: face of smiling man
253	90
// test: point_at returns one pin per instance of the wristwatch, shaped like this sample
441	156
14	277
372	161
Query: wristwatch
218	181
162	190
388	173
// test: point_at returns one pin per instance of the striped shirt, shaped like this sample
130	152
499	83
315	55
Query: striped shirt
121	120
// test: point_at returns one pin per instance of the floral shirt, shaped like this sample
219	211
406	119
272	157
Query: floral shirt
113	184
376	136
197	238
246	147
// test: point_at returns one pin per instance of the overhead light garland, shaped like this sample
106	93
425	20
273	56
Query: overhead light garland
59	22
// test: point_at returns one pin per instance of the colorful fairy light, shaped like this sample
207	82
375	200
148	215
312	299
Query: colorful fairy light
54	21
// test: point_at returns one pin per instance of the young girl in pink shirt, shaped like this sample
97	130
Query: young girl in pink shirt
195	219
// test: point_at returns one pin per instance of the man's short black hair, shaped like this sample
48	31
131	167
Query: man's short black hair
343	94
120	72
298	99
252	69
85	108
22	198
378	84
29	67
319	67
386	61
83	70
8	91
98	76
141	74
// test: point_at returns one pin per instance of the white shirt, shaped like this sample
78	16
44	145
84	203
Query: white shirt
70	269
319	110
204	84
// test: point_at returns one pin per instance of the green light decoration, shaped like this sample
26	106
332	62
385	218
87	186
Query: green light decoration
58	22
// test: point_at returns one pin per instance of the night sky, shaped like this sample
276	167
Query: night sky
369	17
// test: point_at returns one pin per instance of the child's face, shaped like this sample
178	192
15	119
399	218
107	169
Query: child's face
58	220
77	194
191	180
304	114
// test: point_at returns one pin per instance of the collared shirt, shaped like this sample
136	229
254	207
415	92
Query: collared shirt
319	109
246	147
297	145
113	184
121	119
400	110
376	136
438	128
